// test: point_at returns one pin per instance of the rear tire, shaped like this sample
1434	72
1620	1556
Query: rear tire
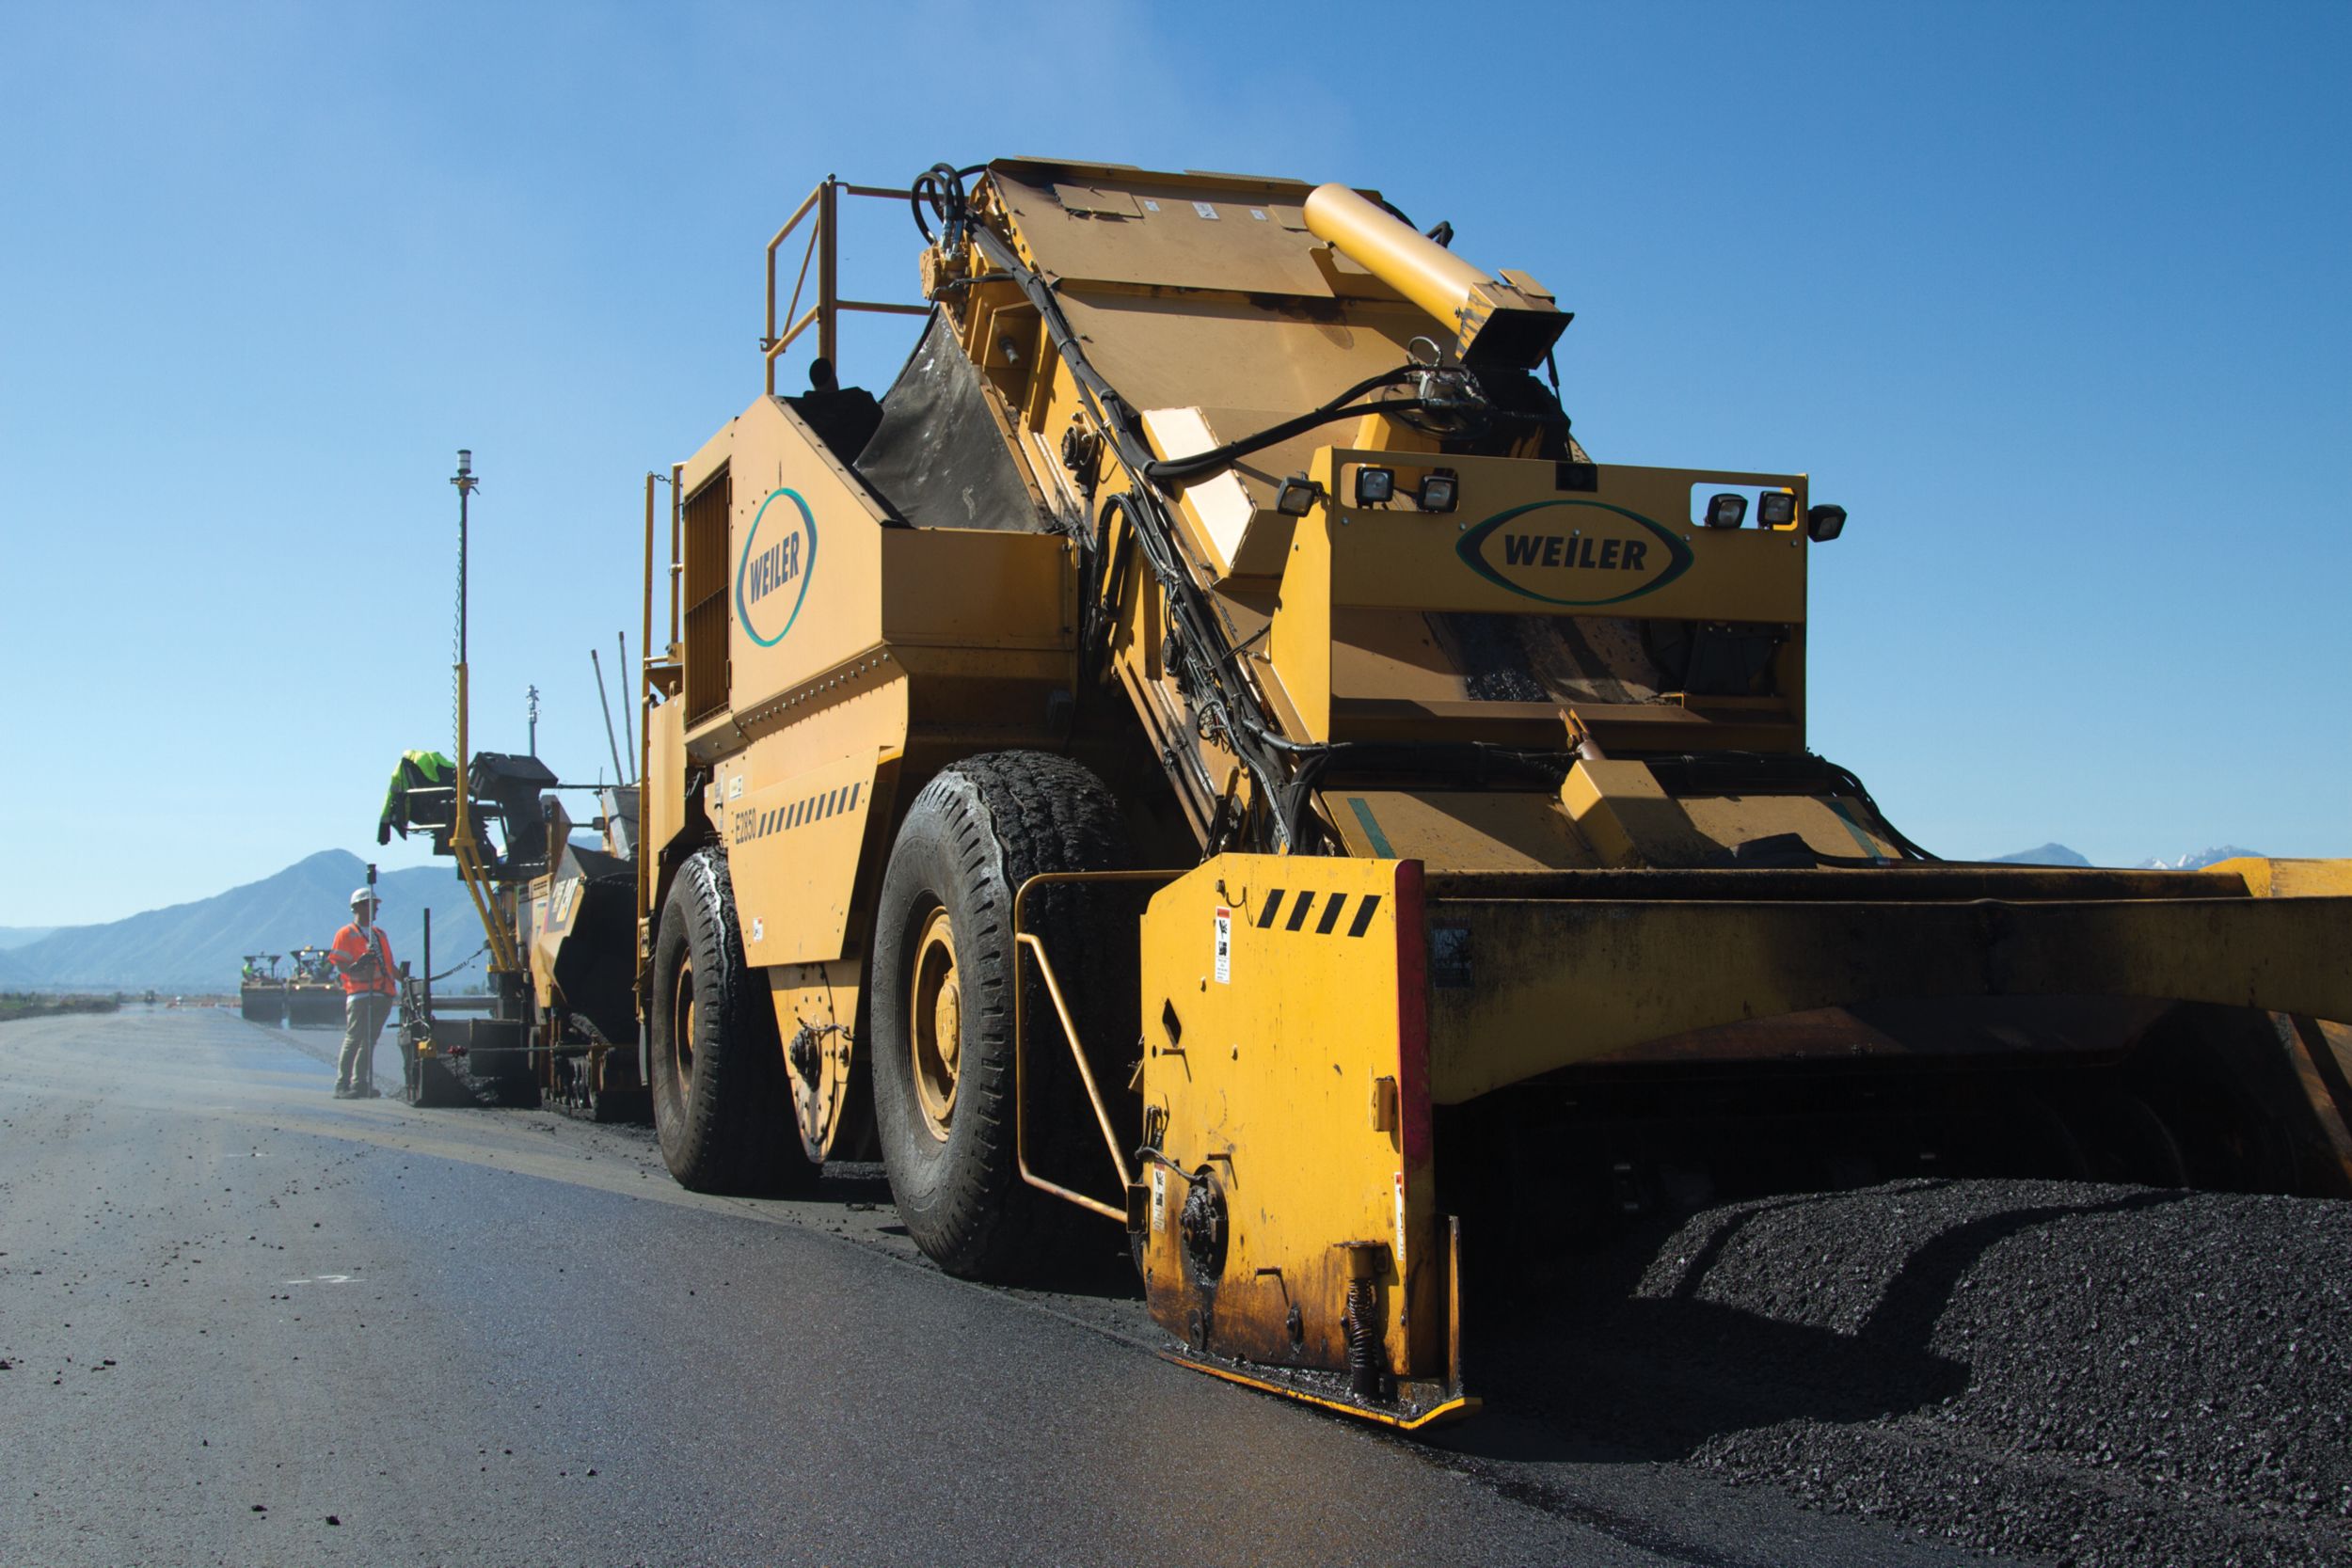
940	1004
720	1106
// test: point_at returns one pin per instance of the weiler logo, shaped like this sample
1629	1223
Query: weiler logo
1596	554
771	579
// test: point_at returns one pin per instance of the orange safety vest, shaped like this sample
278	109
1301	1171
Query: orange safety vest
351	945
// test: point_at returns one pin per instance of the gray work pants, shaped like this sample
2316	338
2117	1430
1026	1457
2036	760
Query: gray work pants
363	1020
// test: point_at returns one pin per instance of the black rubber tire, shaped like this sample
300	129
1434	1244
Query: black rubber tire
975	833
724	1122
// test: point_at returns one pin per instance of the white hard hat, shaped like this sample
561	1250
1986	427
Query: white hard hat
363	896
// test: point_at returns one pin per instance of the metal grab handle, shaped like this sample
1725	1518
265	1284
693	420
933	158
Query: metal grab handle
1085	1074
1070	1033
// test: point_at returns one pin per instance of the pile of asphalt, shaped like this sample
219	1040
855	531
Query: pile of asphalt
2092	1375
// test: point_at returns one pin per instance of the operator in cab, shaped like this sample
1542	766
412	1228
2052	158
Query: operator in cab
363	956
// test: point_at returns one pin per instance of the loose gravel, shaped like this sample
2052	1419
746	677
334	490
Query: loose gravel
2091	1375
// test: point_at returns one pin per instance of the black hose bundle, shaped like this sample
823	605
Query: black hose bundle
1213	683
1184	470
941	188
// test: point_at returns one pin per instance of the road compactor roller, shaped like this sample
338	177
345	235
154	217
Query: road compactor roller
314	992
261	989
1209	751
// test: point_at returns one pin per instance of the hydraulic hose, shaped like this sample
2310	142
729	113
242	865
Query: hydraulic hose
942	185
1183	471
1201	656
1180	470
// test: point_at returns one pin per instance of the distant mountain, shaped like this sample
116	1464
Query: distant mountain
2199	859
200	946
2048	854
17	936
2059	854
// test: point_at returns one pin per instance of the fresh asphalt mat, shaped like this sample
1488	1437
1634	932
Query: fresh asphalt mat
2094	1375
233	1308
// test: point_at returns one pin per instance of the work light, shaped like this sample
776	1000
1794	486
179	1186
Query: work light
1727	510
1296	498
1825	522
1438	491
1776	508
1373	486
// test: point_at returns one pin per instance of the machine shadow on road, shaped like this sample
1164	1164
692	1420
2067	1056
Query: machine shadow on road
1640	1353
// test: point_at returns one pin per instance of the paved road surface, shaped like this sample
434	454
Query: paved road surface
242	1322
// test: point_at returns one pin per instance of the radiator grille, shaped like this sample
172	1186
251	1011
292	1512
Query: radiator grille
706	596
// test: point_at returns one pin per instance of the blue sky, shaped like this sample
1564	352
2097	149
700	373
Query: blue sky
2051	298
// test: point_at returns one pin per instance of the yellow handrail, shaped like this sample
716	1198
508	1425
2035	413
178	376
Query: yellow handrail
825	201
1070	1033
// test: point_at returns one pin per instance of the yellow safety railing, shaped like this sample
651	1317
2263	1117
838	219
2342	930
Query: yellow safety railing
825	201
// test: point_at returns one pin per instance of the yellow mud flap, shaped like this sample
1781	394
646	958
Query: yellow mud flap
1285	1209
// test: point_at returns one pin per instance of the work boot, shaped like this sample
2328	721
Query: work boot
344	1091
367	1092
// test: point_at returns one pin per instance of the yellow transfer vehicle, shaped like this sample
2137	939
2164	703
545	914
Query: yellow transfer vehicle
555	1027
1209	754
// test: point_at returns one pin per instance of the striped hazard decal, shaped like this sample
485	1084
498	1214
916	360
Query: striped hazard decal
1325	910
800	814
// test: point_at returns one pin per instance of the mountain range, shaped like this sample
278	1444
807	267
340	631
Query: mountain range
2199	859
2048	854
2059	854
200	946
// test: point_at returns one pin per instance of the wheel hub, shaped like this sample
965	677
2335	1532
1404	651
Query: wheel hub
1201	1223
935	1014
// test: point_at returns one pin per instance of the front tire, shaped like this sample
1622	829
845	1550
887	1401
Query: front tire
721	1109
941	1009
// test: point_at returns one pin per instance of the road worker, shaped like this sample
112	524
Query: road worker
363	956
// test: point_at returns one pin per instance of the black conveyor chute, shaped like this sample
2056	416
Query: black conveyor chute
513	785
938	457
